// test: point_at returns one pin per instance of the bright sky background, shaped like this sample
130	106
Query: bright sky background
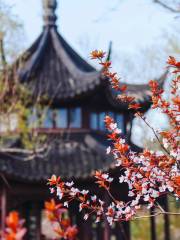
143	33
139	29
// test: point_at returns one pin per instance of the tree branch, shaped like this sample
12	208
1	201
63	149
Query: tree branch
2	52
164	5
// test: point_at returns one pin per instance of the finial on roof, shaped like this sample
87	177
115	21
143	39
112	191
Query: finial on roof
49	16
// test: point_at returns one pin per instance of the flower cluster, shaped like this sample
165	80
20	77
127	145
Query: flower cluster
14	227
63	229
157	171
67	192
103	179
91	204
114	80
149	174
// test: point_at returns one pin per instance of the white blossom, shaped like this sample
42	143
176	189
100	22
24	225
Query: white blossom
84	192
86	216
110	180
113	126
59	193
110	220
74	191
146	198
105	175
121	179
94	198
69	184
170	188
131	194
97	220
52	190
108	150
66	204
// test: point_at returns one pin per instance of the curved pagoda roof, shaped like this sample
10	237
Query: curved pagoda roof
140	92
76	158
51	68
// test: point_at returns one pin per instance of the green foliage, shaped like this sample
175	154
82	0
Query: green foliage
15	99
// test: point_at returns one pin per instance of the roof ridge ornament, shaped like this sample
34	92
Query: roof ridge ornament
49	15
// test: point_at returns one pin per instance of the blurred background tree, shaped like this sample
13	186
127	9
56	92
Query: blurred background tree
11	34
14	97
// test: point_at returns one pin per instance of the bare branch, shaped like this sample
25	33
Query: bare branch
168	7
156	214
155	134
2	52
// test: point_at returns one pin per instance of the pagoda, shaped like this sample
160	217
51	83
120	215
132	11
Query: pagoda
76	136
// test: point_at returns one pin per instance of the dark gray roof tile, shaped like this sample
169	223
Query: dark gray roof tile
75	158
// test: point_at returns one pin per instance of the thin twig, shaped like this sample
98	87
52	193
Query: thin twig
147	216
164	5
155	134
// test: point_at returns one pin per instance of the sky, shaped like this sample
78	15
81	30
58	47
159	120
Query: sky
139	29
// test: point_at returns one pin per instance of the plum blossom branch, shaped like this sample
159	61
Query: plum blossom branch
148	175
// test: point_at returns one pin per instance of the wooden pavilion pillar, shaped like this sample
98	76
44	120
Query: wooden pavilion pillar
84	228
33	221
122	231
99	231
166	220
106	234
85	118
127	230
153	225
3	207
